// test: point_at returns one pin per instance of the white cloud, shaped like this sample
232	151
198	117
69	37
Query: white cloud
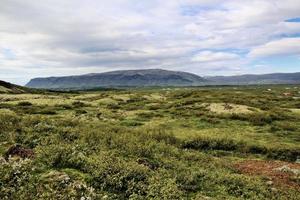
123	34
286	46
209	56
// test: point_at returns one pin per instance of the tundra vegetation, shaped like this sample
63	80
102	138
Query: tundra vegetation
152	143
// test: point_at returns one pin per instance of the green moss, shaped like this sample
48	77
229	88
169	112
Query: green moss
146	143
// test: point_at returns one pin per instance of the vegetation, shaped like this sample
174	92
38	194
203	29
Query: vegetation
159	143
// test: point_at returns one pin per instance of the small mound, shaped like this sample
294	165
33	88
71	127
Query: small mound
226	108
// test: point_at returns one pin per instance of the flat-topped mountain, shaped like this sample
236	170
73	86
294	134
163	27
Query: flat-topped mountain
157	77
124	78
250	79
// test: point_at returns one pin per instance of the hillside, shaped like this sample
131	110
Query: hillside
157	77
6	87
248	79
131	78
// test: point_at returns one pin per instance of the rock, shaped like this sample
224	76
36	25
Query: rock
269	182
274	190
287	169
287	94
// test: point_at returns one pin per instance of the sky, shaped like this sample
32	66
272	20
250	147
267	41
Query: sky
206	37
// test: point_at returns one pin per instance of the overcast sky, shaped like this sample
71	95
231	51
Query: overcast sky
207	37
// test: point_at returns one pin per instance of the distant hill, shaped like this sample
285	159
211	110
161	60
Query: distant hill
6	87
157	77
248	79
125	78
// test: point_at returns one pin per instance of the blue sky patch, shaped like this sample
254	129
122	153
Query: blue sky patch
8	54
297	19
192	10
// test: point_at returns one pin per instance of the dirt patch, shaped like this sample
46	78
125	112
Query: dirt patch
226	108
277	173
19	151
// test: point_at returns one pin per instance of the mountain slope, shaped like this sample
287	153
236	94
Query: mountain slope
157	77
131	78
250	79
6	87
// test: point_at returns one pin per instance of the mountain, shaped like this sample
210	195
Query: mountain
250	79
6	87
124	78
157	77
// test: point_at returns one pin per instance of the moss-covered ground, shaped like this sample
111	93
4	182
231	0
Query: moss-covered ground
153	143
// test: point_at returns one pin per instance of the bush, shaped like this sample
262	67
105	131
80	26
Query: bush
161	187
78	104
283	154
113	106
114	174
80	111
9	125
131	123
257	119
162	136
21	180
61	156
213	144
283	126
47	111
24	103
287	154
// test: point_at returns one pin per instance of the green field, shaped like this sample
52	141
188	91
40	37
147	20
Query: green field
155	143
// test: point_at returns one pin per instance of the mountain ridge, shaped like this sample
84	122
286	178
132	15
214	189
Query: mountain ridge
157	77
130	78
250	79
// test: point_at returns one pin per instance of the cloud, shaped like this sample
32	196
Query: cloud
209	56
285	46
63	37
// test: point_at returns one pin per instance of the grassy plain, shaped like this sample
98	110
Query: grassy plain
159	143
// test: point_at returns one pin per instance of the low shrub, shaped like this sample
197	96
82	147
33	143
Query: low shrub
113	174
47	111
113	106
287	154
9	124
161	187
80	111
131	123
257	119
78	104
24	103
213	144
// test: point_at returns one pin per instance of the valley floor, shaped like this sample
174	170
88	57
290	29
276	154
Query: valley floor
164	143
